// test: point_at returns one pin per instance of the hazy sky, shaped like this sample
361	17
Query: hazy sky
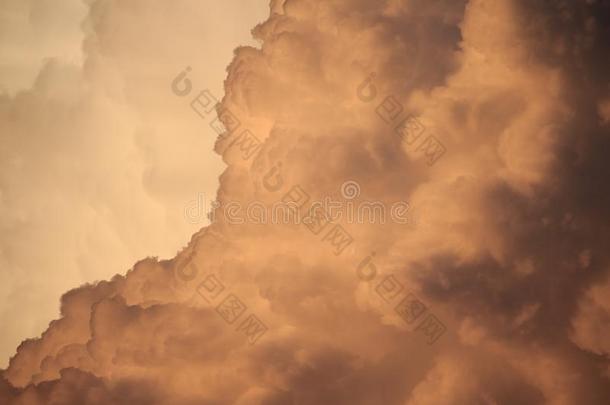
97	153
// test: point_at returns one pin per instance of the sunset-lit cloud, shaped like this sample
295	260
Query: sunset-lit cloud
97	153
487	116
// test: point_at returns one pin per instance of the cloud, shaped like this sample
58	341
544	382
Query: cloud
499	291
90	138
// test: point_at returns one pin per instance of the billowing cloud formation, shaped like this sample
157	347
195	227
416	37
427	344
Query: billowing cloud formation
488	116
88	159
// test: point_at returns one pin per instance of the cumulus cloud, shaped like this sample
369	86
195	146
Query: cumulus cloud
90	131
484	114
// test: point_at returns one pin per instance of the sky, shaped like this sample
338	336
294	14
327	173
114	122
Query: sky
410	204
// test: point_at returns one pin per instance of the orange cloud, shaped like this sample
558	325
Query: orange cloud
495	297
